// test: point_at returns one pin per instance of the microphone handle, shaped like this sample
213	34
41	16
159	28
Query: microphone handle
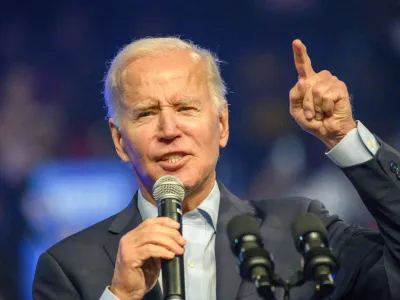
173	275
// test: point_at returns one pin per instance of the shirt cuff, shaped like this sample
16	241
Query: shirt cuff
357	147
107	295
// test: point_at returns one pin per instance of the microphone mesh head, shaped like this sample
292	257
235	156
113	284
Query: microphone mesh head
168	187
306	223
242	225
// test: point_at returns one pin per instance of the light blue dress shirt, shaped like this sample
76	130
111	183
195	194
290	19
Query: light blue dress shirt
199	225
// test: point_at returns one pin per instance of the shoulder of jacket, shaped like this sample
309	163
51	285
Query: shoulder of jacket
296	204
96	234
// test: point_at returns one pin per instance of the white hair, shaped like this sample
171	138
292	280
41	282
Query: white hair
113	85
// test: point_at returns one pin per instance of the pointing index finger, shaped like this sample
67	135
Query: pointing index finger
302	60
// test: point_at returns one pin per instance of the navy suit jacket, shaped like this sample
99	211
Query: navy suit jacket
81	266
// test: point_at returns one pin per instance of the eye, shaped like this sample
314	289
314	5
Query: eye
186	108
144	114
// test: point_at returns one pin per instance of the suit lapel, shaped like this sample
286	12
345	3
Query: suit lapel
228	278
125	221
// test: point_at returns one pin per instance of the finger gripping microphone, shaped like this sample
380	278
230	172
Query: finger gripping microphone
254	262
169	192
311	240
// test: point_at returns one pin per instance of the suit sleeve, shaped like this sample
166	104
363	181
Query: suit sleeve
370	260
378	184
50	282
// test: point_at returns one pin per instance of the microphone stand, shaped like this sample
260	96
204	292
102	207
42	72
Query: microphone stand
297	279
276	281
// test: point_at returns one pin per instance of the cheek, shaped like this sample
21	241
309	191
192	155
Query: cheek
139	144
207	136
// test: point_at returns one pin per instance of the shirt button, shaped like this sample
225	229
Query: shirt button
191	264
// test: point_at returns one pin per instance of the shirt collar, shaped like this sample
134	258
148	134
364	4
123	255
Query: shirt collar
208	208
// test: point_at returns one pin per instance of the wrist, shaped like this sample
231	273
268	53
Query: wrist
123	295
332	140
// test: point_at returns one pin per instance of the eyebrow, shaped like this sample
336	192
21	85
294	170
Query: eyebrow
152	103
188	101
145	105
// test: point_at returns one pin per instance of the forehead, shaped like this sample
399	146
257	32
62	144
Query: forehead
173	70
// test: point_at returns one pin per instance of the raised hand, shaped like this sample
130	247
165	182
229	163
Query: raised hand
138	260
319	102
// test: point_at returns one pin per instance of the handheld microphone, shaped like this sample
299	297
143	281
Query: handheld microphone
255	262
169	192
311	240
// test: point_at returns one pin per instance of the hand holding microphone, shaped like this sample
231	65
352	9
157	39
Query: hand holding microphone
138	259
140	253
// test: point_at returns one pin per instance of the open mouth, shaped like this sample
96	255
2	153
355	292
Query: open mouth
173	158
173	161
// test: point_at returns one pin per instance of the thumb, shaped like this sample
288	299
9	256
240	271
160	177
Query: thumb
151	269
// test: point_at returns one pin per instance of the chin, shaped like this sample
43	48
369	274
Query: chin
193	180
189	183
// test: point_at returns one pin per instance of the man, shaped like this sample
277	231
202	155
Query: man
168	116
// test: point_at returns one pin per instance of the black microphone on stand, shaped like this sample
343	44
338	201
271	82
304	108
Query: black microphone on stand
169	192
311	240
255	263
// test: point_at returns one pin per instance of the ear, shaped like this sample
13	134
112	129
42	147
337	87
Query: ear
224	126
118	140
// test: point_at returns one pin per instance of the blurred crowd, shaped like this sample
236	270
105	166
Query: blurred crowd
53	55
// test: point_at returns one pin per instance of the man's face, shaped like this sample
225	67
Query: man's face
169	124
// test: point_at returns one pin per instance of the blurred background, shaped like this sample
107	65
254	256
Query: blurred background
58	169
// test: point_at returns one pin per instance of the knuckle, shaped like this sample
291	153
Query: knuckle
305	84
177	237
124	257
157	220
123	254
153	236
125	245
155	227
123	242
326	73
318	89
150	221
327	95
163	220
291	93
326	103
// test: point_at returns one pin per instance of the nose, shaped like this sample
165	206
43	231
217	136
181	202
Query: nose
168	126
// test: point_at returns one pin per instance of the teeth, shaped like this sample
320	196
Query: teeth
173	159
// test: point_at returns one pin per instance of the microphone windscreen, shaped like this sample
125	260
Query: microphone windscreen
242	225
168	187
306	223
